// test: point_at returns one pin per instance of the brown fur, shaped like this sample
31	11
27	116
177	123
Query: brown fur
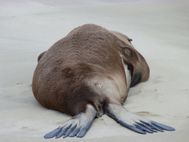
59	81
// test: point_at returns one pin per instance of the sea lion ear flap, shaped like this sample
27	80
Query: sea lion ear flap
40	56
136	64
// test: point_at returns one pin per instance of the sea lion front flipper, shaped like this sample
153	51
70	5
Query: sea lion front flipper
76	126
134	122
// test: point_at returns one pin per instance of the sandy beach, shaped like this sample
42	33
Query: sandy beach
160	31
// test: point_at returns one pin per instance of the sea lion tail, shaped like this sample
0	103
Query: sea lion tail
99	103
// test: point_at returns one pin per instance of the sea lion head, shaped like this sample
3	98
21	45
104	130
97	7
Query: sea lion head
135	61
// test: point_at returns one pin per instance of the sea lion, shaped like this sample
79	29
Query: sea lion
88	73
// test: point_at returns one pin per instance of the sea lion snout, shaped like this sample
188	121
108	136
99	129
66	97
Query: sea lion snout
136	78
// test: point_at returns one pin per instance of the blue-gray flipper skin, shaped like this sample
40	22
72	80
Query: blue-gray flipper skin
76	126
52	133
134	122
63	131
163	126
80	124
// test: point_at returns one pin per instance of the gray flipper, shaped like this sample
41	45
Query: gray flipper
134	122
76	126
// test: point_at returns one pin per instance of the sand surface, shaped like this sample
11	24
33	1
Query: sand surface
160	31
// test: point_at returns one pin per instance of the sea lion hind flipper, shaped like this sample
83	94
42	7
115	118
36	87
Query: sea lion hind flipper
77	126
134	122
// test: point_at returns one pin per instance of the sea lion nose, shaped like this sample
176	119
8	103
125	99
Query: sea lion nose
136	78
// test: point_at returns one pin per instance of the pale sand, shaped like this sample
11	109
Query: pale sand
160	31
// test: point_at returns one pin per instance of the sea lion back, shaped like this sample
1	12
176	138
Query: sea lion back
78	69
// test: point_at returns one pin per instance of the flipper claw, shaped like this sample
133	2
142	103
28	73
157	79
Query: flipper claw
136	129
53	133
163	126
68	131
145	128
83	131
74	132
155	128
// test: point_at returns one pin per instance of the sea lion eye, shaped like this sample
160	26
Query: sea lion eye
130	39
